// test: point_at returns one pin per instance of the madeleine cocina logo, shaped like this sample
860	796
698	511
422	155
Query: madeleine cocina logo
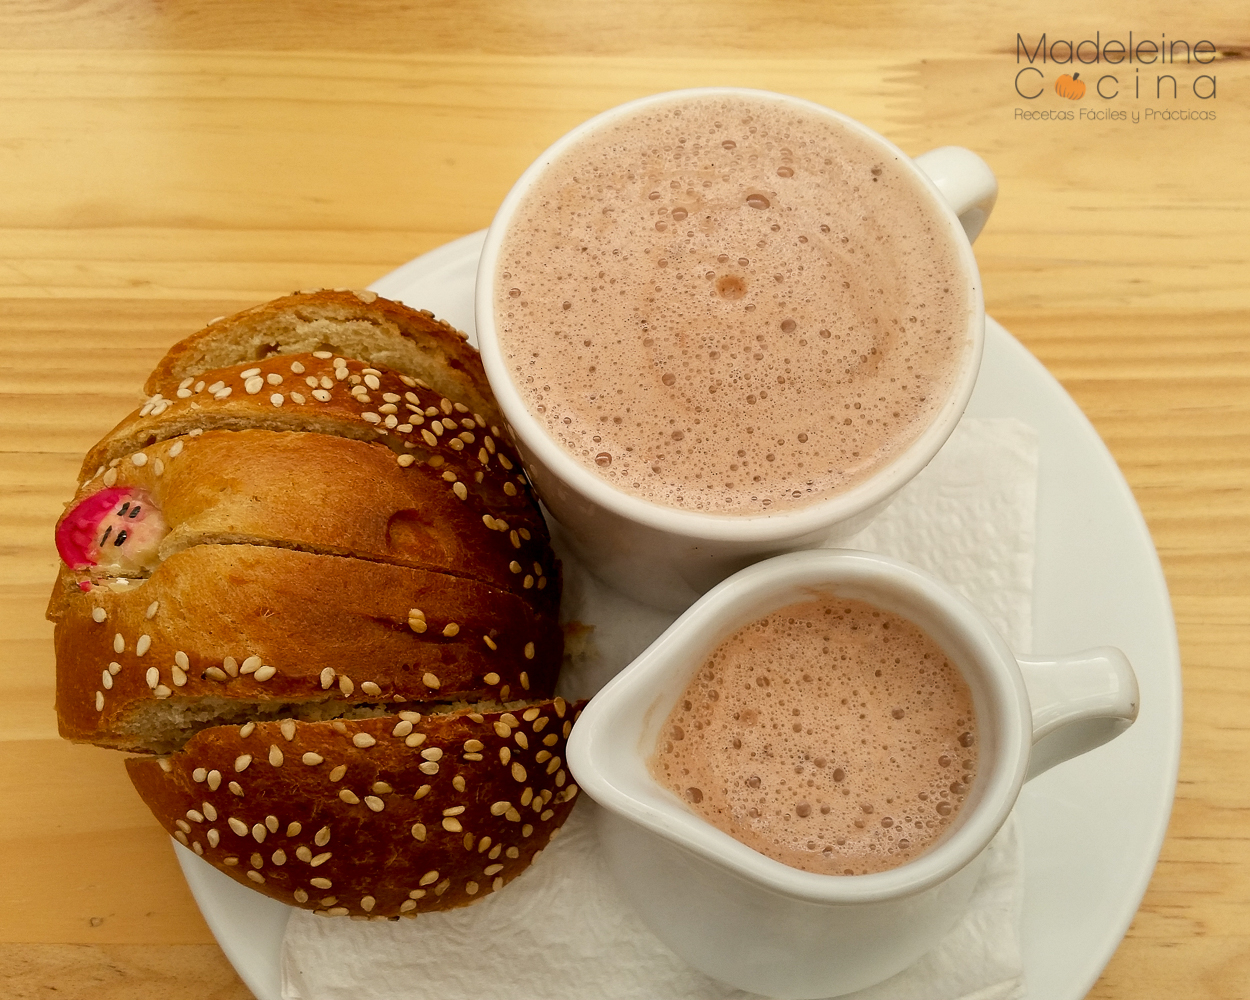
1107	74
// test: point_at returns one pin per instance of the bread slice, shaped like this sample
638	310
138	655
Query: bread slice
372	817
350	324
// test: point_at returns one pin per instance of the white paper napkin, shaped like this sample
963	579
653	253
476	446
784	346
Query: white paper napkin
561	930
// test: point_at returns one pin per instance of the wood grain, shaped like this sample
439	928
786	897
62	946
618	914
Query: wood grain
164	164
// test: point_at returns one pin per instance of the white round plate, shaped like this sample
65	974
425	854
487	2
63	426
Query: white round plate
1090	830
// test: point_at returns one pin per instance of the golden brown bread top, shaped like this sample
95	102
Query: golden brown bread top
325	395
379	817
274	629
354	324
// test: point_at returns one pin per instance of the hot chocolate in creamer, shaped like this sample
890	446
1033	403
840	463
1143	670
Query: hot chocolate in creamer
830	735
726	304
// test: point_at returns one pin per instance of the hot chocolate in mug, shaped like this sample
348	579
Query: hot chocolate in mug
724	324
764	926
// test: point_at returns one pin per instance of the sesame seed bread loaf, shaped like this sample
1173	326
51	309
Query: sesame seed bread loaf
353	324
293	543
381	816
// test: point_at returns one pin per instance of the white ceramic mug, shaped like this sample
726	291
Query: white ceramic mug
668	557
758	924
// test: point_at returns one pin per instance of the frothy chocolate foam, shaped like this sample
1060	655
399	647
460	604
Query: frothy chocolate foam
830	736
730	305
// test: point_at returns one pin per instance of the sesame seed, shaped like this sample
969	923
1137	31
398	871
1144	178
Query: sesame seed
432	753
505	755
473	746
99	701
210	811
513	536
152	609
241	762
422	792
418	831
298	397
527	797
179	675
320	883
199	774
551	739
320	860
428	878
98	614
275	756
429	680
553	764
458	781
256	876
451	629
238	826
195	816
363	740
321	395
143	645
492	870
300	896
346	685
528	582
417	624
542	755
214	780
254	384
250	665
247	729
514	566
522	740
428	767
414	740
413	717
374	803
348	796
501	729
153	677
235	788
279	857
401	729
110	477
312	759
471	888
518	771
249	373
303	853
213	837
223	393
526	830
512	816
273	378
139	459
372	382
460	490
327	677
265	673
231	666
529	650
119	644
509	489
115	668
338	772
276	399
322	837
259	832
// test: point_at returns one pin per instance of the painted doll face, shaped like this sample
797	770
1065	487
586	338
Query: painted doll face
118	529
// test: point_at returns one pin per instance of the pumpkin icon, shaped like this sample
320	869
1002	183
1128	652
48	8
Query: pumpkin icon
1070	87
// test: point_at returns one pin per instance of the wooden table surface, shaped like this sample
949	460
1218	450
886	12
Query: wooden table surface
160	166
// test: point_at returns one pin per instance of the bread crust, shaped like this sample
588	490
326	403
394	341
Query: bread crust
350	399
328	626
338	496
358	324
393	817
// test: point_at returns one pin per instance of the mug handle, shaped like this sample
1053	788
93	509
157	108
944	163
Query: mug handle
1079	702
966	182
